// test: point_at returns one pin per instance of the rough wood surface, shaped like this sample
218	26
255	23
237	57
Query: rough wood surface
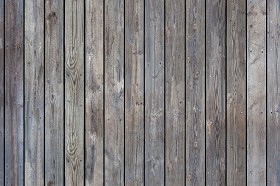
236	92
134	92
94	93
14	118
215	92
54	94
256	92
195	92
74	92
114	92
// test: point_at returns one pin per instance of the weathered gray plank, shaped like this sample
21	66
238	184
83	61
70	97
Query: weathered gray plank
236	92
215	92
256	92
94	92
14	152
175	92
154	92
195	92
134	92
54	95
34	92
114	92
74	92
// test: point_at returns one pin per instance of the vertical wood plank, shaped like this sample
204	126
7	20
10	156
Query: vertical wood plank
195	92
256	92
175	92
34	92
94	92
114	92
14	152
154	92
273	101
134	92
74	92
215	92
54	95
236	92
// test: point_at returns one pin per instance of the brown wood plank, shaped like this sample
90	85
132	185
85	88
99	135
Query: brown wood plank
154	92
54	95
195	92
74	92
236	92
134	92
256	92
94	92
114	92
175	92
14	120
215	92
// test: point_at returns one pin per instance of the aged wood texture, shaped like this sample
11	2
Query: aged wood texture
74	92
14	119
215	92
256	92
34	92
195	92
134	92
114	92
2	89
54	94
175	92
236	92
94	92
154	92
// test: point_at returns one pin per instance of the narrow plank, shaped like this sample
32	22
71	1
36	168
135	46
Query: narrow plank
114	92
256	92
273	101
14	120
175	92
34	92
236	92
54	95
154	92
74	92
134	92
215	92
94	92
195	92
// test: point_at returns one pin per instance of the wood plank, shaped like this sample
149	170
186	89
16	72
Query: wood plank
154	92
134	92
195	92
74	92
236	92
54	95
14	120
175	92
256	92
114	92
94	92
215	92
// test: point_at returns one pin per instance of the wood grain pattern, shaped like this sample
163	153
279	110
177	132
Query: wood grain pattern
236	92
94	92
54	94
14	119
175	92
215	92
74	92
195	92
114	92
134	92
256	92
154	92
